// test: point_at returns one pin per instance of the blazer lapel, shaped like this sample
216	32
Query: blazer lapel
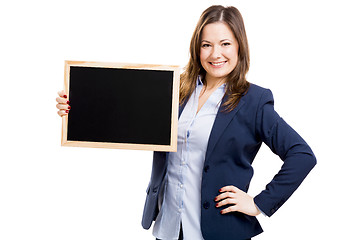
181	108
222	120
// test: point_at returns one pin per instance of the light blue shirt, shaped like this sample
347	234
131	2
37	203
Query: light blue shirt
180	197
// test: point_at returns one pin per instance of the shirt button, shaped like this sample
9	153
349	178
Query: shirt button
181	186
206	205
182	162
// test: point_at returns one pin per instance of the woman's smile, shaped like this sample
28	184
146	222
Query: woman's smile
218	64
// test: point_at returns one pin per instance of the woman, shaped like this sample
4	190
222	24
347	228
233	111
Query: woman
199	192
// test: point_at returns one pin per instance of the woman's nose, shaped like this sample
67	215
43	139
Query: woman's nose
216	53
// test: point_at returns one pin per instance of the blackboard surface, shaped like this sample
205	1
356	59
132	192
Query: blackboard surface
120	107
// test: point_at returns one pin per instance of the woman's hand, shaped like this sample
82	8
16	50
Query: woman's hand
63	104
239	200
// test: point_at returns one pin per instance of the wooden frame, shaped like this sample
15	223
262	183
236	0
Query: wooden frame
172	146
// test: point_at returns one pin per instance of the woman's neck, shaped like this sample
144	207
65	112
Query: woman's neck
214	83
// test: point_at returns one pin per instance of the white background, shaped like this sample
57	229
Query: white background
306	52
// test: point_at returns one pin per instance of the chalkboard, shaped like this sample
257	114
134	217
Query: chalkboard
126	106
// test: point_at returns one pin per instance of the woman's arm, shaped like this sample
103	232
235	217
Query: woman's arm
290	147
296	154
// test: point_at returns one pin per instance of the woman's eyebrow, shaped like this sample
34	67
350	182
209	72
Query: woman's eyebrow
223	40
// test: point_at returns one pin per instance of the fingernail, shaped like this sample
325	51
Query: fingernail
67	111
220	190
65	96
217	205
69	107
67	102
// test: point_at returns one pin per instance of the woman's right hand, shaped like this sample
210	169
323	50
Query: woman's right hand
63	104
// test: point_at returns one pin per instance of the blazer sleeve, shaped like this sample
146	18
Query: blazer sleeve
284	141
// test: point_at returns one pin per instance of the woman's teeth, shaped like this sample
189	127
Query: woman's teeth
217	64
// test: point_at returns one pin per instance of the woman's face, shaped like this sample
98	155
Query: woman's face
219	51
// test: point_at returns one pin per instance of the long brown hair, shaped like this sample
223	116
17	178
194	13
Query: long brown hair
236	83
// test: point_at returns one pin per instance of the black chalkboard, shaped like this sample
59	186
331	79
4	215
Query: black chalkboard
121	106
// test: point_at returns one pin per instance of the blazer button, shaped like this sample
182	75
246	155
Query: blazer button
206	205
206	168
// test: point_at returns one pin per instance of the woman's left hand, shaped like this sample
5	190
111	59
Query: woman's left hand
240	201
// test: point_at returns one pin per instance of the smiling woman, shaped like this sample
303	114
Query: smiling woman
200	191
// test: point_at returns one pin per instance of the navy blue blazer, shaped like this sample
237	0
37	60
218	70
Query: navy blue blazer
234	141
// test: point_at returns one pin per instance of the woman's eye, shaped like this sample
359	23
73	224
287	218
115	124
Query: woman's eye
226	44
205	45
